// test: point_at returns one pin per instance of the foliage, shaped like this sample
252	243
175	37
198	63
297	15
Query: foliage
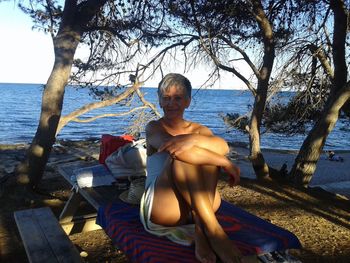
46	15
301	110
288	118
304	63
113	41
117	40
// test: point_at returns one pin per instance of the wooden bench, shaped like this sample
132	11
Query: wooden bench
43	238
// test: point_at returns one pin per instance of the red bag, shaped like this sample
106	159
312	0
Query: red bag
110	144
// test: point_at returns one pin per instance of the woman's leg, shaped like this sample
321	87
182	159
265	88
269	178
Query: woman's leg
169	208
203	250
170	192
185	187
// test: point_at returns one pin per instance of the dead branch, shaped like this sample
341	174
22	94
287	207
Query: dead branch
95	105
108	115
147	103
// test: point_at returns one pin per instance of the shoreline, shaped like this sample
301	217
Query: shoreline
235	144
331	176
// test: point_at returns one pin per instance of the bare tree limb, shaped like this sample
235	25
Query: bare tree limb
320	54
108	115
95	105
226	68
147	103
244	55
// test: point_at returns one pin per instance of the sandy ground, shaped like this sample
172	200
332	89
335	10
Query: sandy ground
332	176
321	221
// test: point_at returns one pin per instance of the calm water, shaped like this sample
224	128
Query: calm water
20	109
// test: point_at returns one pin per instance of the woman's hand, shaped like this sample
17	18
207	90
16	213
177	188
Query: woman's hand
233	172
178	144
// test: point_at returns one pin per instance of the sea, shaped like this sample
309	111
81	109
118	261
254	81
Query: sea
20	110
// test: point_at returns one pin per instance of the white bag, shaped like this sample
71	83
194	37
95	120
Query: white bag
129	160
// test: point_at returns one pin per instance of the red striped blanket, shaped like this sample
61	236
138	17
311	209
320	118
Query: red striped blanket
251	234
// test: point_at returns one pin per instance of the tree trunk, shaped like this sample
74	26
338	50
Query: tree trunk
305	162
75	17
65	44
260	167
309	154
339	42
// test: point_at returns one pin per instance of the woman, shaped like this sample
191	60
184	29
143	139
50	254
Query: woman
183	164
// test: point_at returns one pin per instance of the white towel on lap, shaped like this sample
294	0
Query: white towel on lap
184	234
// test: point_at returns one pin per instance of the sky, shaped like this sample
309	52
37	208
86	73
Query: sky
26	55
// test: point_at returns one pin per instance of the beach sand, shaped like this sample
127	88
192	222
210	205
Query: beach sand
320	220
332	176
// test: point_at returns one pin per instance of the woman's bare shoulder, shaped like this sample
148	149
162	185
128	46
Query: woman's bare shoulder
153	125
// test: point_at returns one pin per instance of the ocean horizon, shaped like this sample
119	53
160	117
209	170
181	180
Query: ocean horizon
21	104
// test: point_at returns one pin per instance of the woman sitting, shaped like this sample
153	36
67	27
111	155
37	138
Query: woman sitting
183	165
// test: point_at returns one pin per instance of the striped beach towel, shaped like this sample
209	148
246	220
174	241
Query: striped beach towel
251	234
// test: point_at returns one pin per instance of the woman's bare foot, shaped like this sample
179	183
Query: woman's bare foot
224	248
203	251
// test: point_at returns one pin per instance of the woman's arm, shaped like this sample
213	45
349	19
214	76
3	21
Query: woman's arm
201	156
202	138
200	148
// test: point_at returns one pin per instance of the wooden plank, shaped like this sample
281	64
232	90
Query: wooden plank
66	170
59	241
30	231
43	237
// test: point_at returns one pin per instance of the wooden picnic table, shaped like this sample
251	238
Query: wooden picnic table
69	218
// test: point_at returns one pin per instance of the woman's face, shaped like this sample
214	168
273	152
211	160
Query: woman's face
174	101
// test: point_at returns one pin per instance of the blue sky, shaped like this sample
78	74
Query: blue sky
26	55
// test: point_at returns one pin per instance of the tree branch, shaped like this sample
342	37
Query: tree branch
95	105
226	68
147	103
243	53
320	54
108	115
